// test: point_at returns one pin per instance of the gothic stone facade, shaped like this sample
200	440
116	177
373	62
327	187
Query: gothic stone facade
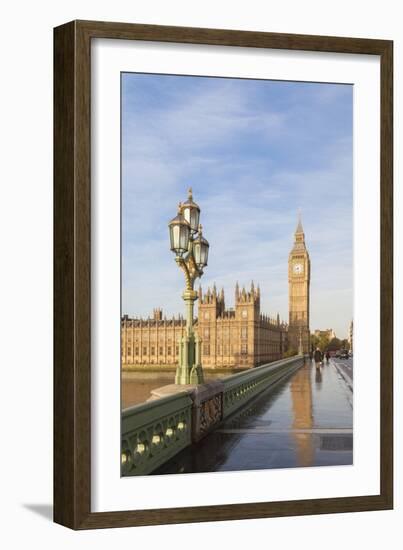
238	337
243	336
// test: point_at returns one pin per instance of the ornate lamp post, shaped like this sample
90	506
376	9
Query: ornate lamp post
191	254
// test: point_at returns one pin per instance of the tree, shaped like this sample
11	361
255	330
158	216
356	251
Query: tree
290	353
314	341
334	344
323	342
345	344
320	342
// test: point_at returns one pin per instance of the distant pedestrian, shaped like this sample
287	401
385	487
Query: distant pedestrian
327	356
310	355
317	357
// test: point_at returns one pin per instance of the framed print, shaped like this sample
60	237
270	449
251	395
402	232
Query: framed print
223	275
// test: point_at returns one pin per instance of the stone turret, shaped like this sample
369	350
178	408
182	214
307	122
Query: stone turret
247	303
214	300
157	314
251	296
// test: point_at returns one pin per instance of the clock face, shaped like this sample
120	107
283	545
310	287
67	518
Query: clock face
298	268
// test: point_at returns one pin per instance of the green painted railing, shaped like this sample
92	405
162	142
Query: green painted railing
154	432
240	388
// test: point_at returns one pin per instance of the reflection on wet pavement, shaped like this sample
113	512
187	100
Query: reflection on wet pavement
305	420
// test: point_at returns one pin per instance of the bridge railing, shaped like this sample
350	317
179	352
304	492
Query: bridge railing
155	431
240	388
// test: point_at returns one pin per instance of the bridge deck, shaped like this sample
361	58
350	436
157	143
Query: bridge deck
305	420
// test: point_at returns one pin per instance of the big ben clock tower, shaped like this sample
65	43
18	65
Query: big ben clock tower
299	275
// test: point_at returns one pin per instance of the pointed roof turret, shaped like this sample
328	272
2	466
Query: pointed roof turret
299	237
299	229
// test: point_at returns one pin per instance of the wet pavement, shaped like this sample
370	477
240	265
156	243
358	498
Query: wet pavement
346	368
306	420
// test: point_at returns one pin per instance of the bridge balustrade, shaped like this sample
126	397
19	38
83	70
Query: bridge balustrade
155	431
240	388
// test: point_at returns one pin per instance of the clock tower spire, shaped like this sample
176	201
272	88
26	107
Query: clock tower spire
299	276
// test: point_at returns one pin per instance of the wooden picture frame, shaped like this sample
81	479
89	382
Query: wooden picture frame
72	274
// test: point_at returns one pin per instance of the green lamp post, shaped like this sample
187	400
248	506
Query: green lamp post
191	254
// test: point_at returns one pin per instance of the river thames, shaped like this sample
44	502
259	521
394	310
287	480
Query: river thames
137	386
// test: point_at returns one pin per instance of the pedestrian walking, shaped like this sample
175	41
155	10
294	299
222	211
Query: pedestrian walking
327	356
317	357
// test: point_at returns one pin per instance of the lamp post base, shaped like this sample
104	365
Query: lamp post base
196	375
189	370
185	376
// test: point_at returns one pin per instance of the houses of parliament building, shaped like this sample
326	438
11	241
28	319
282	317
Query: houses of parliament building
241	337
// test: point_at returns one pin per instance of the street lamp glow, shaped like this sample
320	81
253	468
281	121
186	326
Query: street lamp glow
191	251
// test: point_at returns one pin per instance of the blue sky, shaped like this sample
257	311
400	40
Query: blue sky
254	152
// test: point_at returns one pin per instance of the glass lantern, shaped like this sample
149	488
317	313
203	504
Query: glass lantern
191	212
200	250
179	233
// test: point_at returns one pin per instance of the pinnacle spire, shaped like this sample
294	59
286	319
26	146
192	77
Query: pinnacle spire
299	224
